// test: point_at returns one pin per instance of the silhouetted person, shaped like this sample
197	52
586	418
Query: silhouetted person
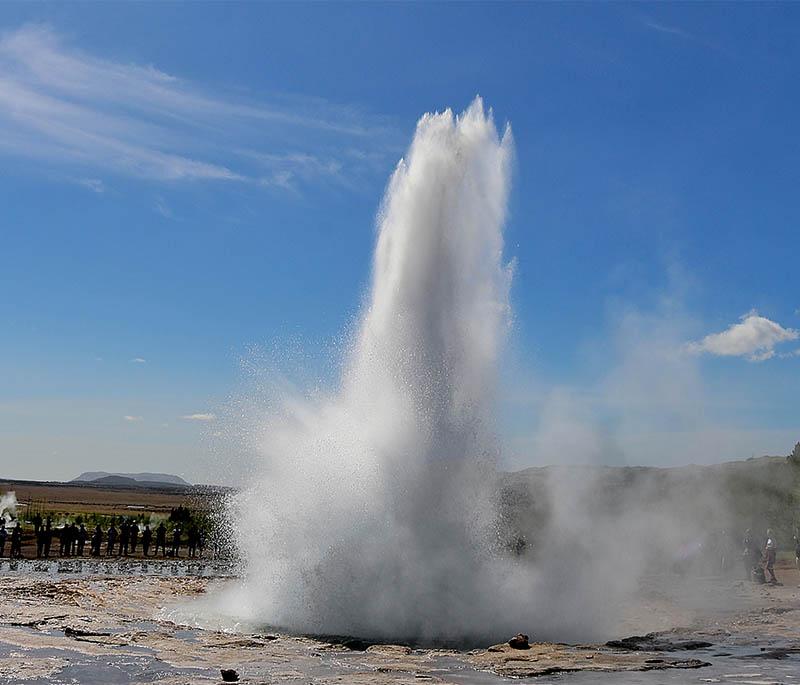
124	538
770	551
147	536
192	541
176	542
3	536
16	541
63	536
97	541
73	539
749	549
82	535
201	541
134	533
48	537
41	538
112	540
161	539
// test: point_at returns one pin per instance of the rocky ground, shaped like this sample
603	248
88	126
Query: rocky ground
110	629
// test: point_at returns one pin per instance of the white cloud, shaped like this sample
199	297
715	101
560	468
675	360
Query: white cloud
163	208
132	419
666	28
93	184
754	337
199	417
137	360
66	107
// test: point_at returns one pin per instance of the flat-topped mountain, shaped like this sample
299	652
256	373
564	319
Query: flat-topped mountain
130	479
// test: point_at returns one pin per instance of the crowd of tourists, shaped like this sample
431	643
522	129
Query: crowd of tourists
124	540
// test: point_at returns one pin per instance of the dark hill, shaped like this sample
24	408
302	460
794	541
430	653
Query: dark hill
147	479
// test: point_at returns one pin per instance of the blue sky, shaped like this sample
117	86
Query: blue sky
182	183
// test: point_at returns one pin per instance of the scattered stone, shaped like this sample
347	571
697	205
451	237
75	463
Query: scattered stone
389	650
229	675
663	664
519	641
356	644
654	642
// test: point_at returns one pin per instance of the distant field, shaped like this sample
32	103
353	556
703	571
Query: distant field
63	497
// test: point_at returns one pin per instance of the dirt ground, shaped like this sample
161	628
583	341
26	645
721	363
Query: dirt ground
100	629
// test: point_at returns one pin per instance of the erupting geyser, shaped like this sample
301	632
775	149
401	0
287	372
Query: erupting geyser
372	513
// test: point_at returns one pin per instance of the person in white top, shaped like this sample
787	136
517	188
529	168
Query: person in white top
769	553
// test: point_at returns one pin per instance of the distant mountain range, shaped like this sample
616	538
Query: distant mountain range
131	479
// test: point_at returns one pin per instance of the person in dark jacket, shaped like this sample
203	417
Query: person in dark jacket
176	542
82	535
16	541
112	540
134	534
73	539
48	537
124	537
41	538
147	536
3	535
97	541
63	537
161	539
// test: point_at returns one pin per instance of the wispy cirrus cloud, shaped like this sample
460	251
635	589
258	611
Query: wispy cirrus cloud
66	107
666	28
754	337
93	184
137	360
199	417
680	32
132	419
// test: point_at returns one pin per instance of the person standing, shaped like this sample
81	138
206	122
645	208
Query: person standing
192	541
73	539
124	538
176	542
750	553
3	536
48	537
770	552
134	534
82	535
161	539
97	540
41	538
147	536
16	541
63	533
112	540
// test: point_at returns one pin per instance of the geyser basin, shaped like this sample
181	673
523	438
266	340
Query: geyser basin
372	512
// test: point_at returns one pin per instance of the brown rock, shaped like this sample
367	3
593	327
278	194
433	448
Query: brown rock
519	641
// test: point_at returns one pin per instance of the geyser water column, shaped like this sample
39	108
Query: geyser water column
372	512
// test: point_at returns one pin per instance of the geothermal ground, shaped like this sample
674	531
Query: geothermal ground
97	627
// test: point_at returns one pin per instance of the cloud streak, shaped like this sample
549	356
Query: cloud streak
754	337
66	107
199	417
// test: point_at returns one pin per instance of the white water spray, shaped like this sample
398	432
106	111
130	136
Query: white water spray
8	506
373	510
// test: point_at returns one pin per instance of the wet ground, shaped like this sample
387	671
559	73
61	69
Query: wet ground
95	623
